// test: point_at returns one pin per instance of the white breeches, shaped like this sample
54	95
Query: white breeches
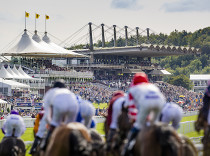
116	110
16	124
87	111
172	112
65	109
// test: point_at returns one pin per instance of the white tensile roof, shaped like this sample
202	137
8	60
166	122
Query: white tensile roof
23	73
5	74
61	50
18	73
37	39
35	47
200	77
15	76
2	101
14	84
26	46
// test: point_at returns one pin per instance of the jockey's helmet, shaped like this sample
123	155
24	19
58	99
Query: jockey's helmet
15	112
140	78
118	92
59	84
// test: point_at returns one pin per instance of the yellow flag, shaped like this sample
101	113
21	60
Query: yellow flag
37	16
26	14
47	17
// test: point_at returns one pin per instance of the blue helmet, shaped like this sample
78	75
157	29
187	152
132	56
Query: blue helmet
15	112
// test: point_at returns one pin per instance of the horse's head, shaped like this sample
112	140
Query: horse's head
124	123
201	122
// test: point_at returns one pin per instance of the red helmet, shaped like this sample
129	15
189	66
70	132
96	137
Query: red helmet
139	78
119	92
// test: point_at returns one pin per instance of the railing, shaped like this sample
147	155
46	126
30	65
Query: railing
186	127
71	74
29	122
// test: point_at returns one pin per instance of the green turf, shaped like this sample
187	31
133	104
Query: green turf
189	118
101	105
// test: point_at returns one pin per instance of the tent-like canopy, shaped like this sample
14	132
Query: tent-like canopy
29	47
13	84
67	53
3	102
5	74
20	70
15	76
26	46
159	72
18	73
37	39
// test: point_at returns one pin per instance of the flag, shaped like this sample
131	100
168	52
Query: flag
26	14
37	16
47	17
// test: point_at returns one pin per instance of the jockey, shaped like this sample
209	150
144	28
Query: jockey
86	113
38	119
64	108
146	97
61	102
171	112
129	102
14	125
114	111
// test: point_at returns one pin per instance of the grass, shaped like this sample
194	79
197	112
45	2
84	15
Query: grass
101	105
189	118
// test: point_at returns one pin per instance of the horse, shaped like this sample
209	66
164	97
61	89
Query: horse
12	146
161	138
201	123
74	139
124	125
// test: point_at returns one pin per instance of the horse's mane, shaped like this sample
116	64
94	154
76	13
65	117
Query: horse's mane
67	139
81	128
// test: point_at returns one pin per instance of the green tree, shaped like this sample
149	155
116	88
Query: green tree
180	80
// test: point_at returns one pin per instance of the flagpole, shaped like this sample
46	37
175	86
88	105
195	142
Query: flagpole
25	19
45	23
35	21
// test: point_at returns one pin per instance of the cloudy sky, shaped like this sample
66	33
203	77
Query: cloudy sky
68	16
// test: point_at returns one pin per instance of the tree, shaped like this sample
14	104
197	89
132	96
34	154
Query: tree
180	80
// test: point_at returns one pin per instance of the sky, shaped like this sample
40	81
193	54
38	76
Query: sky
68	16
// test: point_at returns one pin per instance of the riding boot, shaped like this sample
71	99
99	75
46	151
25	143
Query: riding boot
109	139
44	143
35	144
129	145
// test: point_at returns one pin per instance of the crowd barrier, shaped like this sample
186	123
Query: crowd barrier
29	122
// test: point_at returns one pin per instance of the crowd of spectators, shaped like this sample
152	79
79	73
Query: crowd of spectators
189	100
91	91
100	91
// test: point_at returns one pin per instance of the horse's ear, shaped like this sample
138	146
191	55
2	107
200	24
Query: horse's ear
123	108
